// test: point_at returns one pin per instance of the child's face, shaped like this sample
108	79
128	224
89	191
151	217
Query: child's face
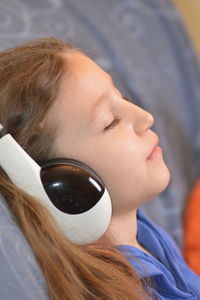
119	154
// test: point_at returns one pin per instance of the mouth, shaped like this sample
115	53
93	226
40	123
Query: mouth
156	150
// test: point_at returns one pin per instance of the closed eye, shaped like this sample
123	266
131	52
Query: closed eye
116	120
114	123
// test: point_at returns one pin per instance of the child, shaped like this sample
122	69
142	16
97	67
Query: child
57	103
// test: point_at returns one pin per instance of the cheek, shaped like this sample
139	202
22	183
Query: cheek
125	185
125	175
123	172
120	160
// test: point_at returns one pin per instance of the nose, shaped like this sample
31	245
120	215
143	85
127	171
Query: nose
142	120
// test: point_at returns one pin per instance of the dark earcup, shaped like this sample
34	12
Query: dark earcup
72	186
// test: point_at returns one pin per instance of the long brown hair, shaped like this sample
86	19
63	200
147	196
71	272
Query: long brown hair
30	76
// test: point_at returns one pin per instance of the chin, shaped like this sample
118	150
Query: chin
161	180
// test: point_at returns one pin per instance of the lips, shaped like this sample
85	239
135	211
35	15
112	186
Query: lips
154	148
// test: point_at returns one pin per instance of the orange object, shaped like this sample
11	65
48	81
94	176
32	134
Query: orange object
191	243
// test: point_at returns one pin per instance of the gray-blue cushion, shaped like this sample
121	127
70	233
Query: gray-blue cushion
20	275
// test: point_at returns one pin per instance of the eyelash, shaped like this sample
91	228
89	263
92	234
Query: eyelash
112	124
116	120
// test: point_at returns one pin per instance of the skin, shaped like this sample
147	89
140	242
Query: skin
119	154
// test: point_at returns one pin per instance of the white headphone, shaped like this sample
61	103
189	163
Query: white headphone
72	191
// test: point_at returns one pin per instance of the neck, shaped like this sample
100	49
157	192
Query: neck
123	229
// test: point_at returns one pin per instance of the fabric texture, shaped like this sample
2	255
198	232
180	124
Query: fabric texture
20	274
191	238
170	276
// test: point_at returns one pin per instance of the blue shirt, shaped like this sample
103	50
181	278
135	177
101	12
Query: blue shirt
170	276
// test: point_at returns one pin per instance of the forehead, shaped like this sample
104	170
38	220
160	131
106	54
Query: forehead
84	72
82	85
83	82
